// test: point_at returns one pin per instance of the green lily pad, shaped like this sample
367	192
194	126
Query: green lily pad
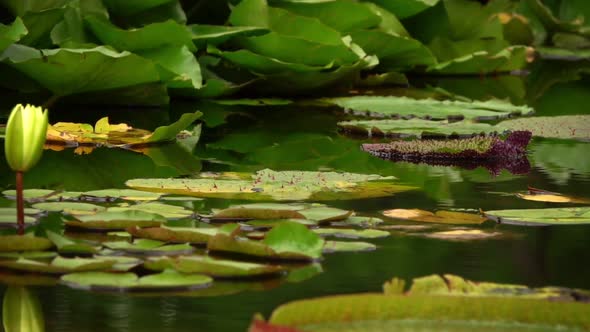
165	210
287	240
439	217
217	268
565	126
270	223
344	246
31	194
12	243
258	212
541	217
508	59
69	246
462	234
70	207
358	221
150	247
10	220
126	194
285	185
167	280
174	234
351	233
393	107
117	220
325	214
59	265
35	255
122	263
8	211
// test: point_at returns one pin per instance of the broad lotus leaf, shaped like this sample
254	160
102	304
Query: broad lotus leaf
217	268
346	246
511	58
325	214
439	217
167	280
178	67
286	241
68	71
462	235
391	106
117	220
148	37
165	210
351	233
132	7
406	8
203	34
71	246
10	34
21	310
150	247
126	194
541	217
277	185
174	234
15	243
59	265
69	207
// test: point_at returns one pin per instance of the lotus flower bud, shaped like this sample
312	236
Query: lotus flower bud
25	135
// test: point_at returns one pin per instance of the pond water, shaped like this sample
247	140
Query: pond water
239	138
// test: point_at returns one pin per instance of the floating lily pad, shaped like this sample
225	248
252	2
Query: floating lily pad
287	240
212	267
15	278
540	217
358	221
259	212
394	107
10	220
12	211
565	126
70	207
117	220
122	263
344	246
126	194
11	243
69	246
31	194
462	234
167	280
150	247
174	234
285	185
36	255
269	223
440	217
325	214
351	233
59	265
165	210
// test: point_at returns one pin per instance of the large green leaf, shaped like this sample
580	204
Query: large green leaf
117	220
149	247
68	71
12	243
178	66
174	234
167	280
21	311
286	185
511	58
204	35
10	34
131	7
71	30
566	126
212	267
406	8
550	216
390	106
59	265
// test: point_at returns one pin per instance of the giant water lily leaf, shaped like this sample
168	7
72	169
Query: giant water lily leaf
21	310
565	126
150	247
540	217
391	106
324	214
126	194
149	37
482	62
461	235
31	194
59	265
12	243
117	220
167	280
70	207
204	35
10	34
67	71
104	133
71	246
351	233
174	234
258	212
7	220
540	195
440	217
347	246
6	211
286	185
165	210
287	240
212	267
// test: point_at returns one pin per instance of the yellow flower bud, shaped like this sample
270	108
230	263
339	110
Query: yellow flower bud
25	135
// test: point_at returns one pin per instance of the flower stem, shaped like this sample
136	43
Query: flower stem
20	205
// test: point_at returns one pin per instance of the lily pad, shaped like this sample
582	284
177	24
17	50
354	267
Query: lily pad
542	217
325	214
31	194
439	217
174	234
394	107
462	234
358	221
345	246
10	220
351	233
150	247
165	210
35	255
12	211
117	220
69	246
217	268
287	240
126	194
59	265
167	280
12	243
565	126
69	207
540	195
260	212
285	185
